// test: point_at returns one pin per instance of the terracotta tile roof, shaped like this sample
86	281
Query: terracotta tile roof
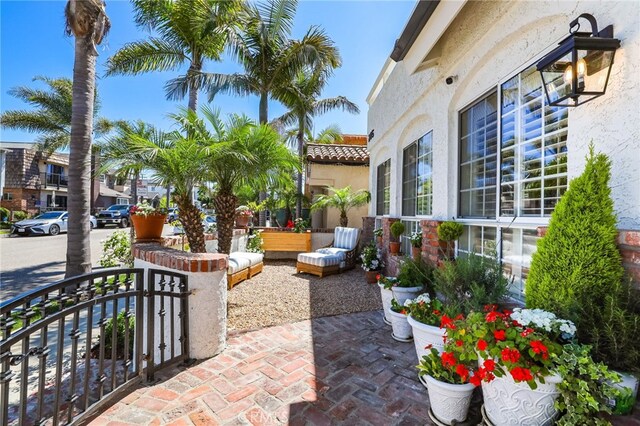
337	154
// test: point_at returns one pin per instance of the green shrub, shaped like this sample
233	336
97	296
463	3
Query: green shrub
121	323
415	273
450	231
116	250
397	229
20	215
577	271
471	282
4	214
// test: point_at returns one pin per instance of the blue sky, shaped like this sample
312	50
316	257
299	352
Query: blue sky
33	43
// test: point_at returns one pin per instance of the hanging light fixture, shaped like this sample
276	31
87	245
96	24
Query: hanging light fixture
577	71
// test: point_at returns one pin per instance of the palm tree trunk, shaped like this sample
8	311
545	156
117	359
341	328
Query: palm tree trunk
264	119
300	155
344	220
78	227
225	203
191	223
134	197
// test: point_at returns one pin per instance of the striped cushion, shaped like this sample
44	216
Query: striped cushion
237	265
253	258
319	259
345	238
334	250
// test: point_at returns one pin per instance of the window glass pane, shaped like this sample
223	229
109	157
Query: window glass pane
383	187
423	179
409	180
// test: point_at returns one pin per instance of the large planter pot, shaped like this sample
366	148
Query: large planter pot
242	221
426	335
449	403
509	403
370	276
403	293
416	253
386	296
629	385
148	228
394	248
400	326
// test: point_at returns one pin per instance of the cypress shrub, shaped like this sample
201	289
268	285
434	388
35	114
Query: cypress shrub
577	270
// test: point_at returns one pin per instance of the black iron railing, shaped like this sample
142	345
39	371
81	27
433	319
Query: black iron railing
54	180
72	346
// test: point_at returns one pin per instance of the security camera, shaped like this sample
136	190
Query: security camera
449	80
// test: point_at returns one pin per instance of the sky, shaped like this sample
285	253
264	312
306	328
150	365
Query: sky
32	43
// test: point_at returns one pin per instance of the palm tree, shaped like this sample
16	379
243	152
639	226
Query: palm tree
301	97
270	57
51	116
87	20
343	199
188	32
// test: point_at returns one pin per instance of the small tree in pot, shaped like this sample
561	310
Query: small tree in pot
449	232
397	229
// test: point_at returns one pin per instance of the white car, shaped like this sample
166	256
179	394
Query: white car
51	223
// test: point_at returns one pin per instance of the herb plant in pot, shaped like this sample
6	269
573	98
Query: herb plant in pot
447	381
397	229
371	262
385	284
416	245
401	330
148	221
412	277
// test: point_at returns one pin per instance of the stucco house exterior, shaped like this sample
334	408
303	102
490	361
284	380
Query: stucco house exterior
337	165
462	129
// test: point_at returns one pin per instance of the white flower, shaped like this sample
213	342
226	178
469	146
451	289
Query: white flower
423	298
543	320
407	303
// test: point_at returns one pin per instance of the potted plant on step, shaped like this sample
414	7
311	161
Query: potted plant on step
449	232
148	221
412	278
416	245
371	263
447	381
385	284
243	216
401	330
377	233
397	229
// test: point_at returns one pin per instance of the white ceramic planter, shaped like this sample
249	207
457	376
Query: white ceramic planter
449	402
403	293
400	326
509	403
425	335
628	381
386	296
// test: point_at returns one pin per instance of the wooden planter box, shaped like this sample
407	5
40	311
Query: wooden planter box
286	241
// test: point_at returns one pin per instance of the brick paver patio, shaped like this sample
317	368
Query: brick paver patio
334	370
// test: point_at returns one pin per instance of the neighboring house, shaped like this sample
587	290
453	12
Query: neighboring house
337	165
3	166
462	128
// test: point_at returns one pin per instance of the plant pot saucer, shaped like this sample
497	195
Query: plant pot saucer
384	319
485	418
434	419
410	339
423	382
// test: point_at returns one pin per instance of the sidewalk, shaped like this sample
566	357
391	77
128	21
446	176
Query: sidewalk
335	370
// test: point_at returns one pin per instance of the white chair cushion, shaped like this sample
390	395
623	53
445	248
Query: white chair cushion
254	258
237	265
345	238
319	259
334	250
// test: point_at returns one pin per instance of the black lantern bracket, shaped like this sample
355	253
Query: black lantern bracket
578	70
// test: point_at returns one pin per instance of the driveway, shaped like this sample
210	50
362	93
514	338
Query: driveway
28	262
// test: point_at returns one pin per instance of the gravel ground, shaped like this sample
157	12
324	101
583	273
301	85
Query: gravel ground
279	295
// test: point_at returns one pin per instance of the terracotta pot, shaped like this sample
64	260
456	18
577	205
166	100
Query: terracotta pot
370	276
416	253
394	248
242	221
379	241
149	227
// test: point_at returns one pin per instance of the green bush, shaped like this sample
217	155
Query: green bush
121	322
20	215
116	250
471	282
415	273
4	214
577	271
397	229
450	231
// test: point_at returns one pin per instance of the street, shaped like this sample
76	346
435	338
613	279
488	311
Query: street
28	262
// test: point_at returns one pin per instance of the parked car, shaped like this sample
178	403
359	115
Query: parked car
51	223
93	221
172	214
117	214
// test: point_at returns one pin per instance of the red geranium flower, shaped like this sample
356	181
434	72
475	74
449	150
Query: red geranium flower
459	343
489	364
499	335
378	277
446	322
437	312
459	317
520	374
448	359
489	308
475	380
527	331
510	355
492	316
462	371
482	345
538	347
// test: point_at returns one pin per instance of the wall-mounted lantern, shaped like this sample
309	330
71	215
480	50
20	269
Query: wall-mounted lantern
577	71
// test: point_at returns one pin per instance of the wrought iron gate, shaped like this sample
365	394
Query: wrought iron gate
69	347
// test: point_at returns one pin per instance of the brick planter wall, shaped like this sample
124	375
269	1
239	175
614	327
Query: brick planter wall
180	260
368	225
433	250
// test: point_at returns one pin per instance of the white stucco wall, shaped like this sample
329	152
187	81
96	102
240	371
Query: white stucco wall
486	44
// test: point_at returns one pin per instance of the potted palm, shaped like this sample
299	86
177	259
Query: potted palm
148	221
397	229
401	330
371	263
343	199
386	295
447	380
416	244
